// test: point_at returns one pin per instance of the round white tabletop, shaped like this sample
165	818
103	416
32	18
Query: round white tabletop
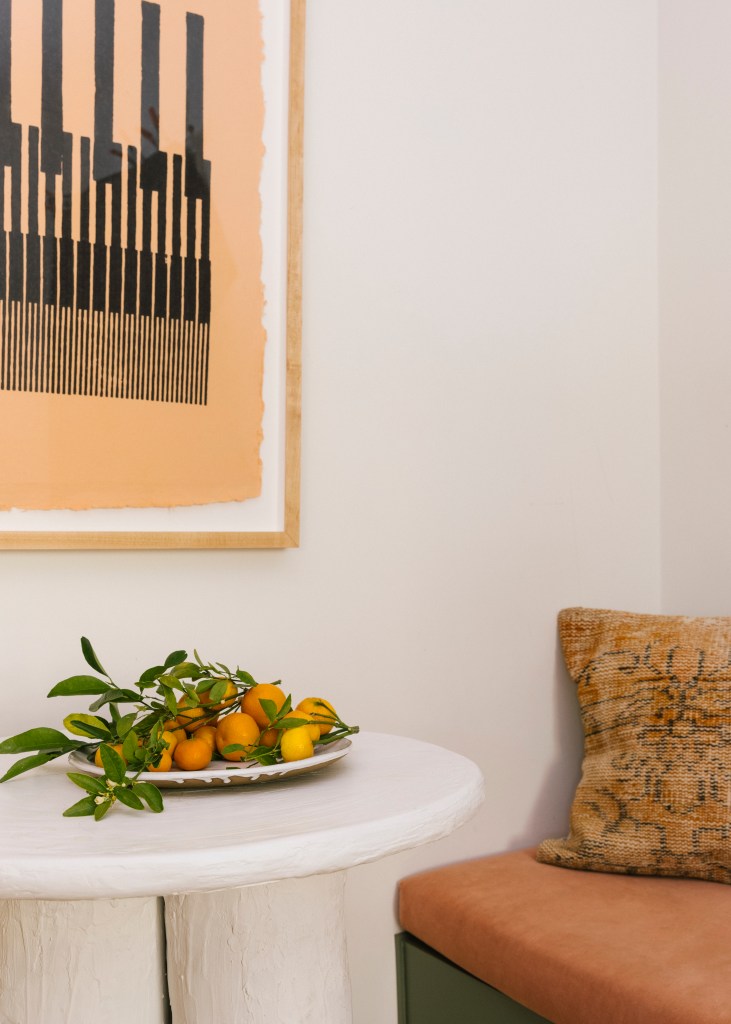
387	794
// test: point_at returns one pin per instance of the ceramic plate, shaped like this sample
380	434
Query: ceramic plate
220	773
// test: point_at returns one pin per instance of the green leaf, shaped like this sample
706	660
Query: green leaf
170	701
130	745
264	755
134	756
186	670
245	677
269	708
147	722
86	725
337	734
217	691
91	658
150	794
76	686
41	739
292	723
103	733
26	763
101	809
125	724
126	796
175	659
151	674
114	766
106	698
94	786
84	807
110	696
233	748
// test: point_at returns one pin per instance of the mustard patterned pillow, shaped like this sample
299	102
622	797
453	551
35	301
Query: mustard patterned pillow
655	698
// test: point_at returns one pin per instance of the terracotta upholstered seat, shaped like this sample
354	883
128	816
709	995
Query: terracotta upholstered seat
580	947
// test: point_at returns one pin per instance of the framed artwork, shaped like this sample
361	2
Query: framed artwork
150	273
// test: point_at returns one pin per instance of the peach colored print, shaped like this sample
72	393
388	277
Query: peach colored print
78	452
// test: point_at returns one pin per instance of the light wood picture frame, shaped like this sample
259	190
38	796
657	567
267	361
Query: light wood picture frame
269	519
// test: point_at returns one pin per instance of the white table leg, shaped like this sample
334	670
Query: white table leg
264	954
86	961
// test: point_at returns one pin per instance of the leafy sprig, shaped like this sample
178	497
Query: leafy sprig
161	693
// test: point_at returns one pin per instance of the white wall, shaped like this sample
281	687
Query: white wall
695	303
480	439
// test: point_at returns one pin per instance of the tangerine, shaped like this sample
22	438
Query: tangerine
207	733
193	717
192	755
171	739
322	712
164	764
251	704
239	728
297	744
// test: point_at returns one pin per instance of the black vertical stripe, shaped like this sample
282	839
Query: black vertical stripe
115	252
107	153
99	295
66	269
146	255
195	169
85	187
52	88
6	118
33	245
50	246
130	256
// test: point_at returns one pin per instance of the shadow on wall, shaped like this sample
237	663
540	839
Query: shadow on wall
549	816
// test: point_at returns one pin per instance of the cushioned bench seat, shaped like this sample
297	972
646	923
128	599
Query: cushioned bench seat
579	947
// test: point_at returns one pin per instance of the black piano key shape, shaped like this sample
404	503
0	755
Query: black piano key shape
115	314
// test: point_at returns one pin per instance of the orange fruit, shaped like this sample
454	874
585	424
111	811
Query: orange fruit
165	763
269	737
228	698
171	739
98	755
297	744
322	712
192	755
192	718
238	727
251	704
174	729
207	733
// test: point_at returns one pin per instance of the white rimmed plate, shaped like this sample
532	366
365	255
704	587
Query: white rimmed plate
221	773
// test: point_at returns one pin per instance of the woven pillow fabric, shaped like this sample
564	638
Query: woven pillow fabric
655	698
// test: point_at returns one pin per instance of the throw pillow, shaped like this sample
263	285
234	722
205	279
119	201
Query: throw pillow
655	792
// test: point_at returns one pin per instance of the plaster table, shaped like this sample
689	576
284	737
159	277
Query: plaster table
253	879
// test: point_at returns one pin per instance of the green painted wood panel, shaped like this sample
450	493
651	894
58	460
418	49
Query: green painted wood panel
432	990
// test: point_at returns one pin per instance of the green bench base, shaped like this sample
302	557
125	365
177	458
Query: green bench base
432	990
